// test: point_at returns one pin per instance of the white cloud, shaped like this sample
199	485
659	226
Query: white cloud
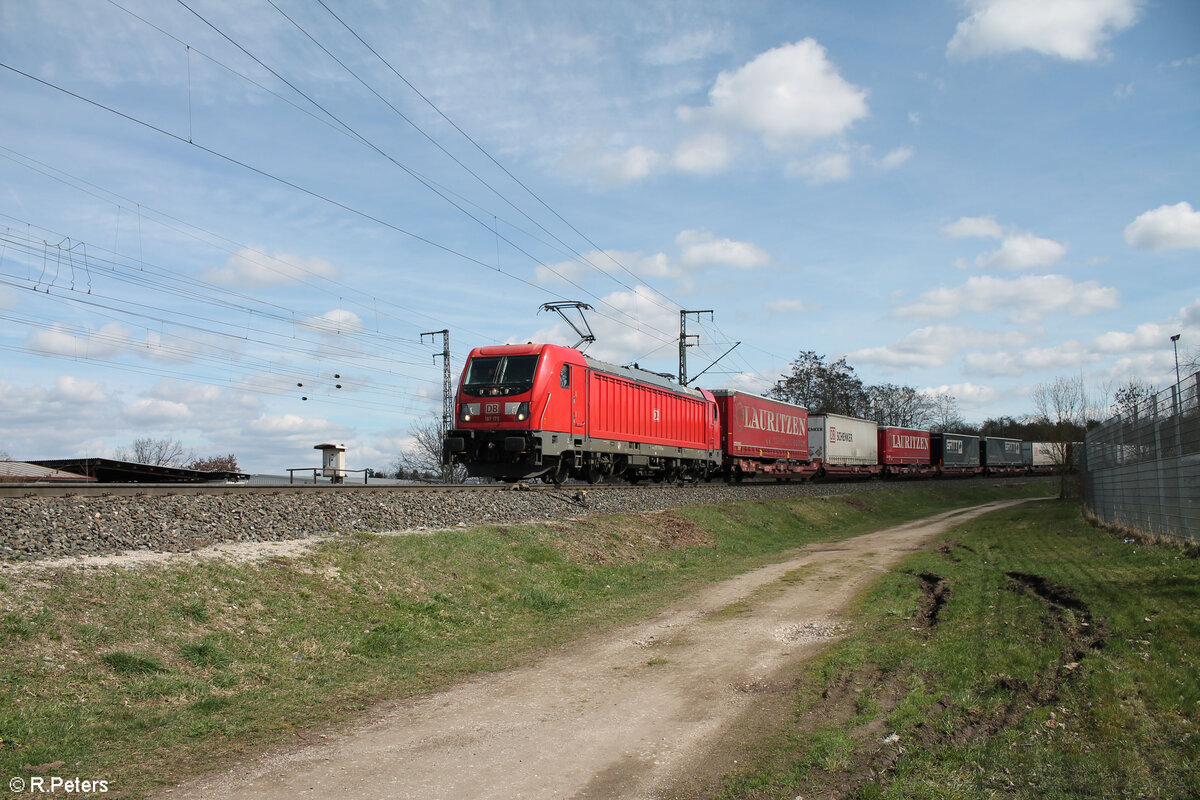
1174	227
974	227
788	94
1018	250
334	322
609	262
825	168
611	167
932	346
1073	30
254	268
1064	356
155	413
70	389
968	395
688	45
1022	251
635	324
705	154
59	340
1029	298
699	249
896	158
785	304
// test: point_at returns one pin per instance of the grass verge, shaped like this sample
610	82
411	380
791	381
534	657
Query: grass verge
1032	655
143	677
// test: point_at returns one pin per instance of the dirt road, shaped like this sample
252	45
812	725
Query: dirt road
627	715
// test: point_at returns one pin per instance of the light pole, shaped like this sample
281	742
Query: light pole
1175	344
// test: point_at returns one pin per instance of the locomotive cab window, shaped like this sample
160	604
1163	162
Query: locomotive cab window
490	376
564	377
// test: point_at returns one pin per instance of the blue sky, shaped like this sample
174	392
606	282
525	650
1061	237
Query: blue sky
206	205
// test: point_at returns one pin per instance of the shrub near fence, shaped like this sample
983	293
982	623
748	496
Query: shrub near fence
1141	469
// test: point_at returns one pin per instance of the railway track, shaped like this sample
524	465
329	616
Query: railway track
40	521
73	489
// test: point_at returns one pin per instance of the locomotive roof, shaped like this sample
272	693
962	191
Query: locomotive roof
640	375
633	373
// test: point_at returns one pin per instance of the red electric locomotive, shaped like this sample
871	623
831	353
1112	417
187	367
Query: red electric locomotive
541	410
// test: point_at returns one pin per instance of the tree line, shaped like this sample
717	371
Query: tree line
834	388
1062	408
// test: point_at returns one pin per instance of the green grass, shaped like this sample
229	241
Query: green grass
145	676
1065	663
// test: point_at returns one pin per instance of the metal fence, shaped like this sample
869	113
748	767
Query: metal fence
1141	469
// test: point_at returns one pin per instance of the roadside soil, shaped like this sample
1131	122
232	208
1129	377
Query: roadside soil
653	711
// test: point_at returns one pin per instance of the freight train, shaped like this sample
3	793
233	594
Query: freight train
550	412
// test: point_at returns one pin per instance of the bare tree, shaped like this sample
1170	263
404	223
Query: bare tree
1189	362
157	452
1133	394
945	415
904	406
225	463
424	455
1064	405
4	456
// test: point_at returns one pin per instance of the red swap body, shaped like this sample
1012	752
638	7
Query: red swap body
541	410
905	452
763	438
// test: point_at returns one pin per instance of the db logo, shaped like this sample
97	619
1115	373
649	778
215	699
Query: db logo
491	408
832	434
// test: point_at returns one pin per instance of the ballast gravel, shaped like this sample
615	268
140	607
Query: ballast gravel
53	527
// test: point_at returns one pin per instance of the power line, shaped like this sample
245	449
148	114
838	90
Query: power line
356	135
489	156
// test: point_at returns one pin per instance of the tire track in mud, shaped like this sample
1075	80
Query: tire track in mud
1065	614
629	714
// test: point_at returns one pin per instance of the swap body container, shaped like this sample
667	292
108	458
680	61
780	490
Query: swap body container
904	451
1041	457
843	445
1001	456
955	454
762	437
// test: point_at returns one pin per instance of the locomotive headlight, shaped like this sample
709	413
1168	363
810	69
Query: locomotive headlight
468	410
518	410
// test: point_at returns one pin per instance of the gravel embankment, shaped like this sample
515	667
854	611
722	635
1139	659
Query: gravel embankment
45	527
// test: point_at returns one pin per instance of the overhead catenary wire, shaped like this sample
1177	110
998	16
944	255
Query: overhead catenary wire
310	192
478	147
371	145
